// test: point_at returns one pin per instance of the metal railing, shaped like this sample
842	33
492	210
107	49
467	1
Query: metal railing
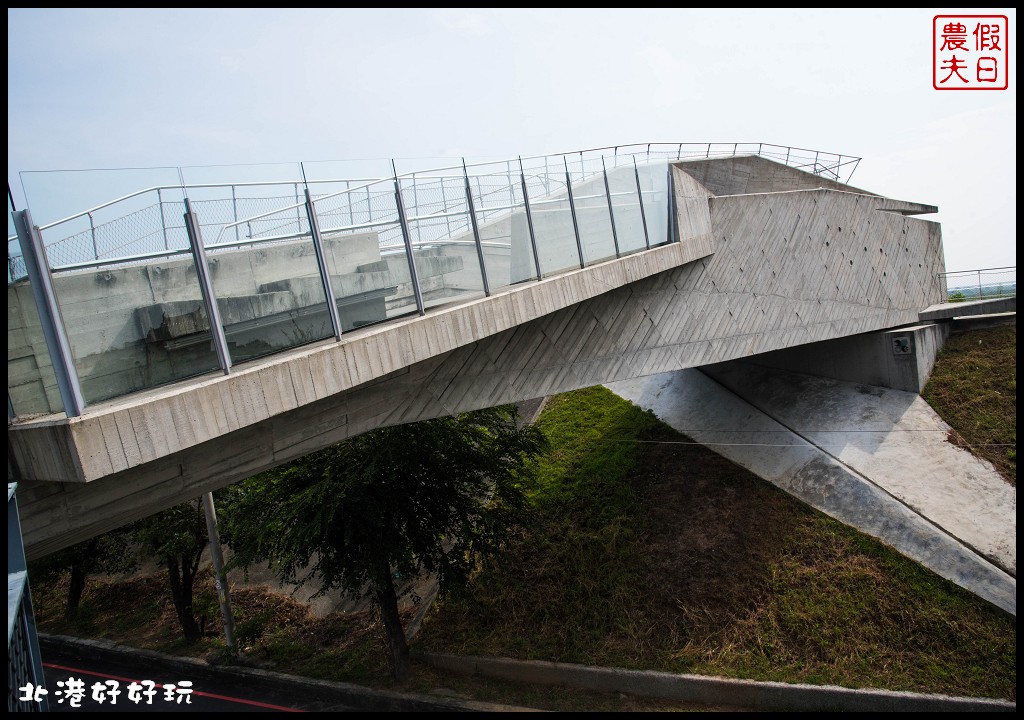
147	223
986	283
255	268
26	685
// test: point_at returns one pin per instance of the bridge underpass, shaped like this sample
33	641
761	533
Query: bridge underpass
763	257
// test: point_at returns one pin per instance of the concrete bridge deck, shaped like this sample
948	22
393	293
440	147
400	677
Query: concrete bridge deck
765	257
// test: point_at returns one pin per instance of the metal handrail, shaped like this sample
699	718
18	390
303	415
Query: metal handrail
964	290
422	173
817	161
443	212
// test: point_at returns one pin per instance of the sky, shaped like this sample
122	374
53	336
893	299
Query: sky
169	88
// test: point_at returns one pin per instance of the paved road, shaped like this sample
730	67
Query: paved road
208	695
228	688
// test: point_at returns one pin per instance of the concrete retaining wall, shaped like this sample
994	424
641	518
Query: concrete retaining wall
901	359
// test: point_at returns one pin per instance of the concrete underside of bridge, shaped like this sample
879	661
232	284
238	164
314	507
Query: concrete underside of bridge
767	258
873	457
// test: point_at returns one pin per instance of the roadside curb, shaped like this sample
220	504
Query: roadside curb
355	696
771	696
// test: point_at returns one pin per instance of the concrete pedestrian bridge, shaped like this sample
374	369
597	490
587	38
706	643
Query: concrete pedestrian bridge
139	377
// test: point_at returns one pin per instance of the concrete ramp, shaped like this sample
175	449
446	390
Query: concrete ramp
874	458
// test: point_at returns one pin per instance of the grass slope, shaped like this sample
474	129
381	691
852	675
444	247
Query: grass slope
974	389
653	553
650	552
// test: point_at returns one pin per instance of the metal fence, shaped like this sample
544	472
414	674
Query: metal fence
347	253
24	665
148	223
964	285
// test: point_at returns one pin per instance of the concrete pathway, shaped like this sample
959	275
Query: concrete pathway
874	458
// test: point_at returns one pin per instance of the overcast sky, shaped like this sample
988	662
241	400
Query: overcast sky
142	88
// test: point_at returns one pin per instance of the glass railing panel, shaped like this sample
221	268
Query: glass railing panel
552	215
365	253
444	247
31	381
103	215
142	221
260	255
591	202
269	291
134	325
126	286
629	221
501	218
654	190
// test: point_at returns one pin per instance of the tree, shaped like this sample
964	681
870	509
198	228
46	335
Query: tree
177	537
110	553
432	497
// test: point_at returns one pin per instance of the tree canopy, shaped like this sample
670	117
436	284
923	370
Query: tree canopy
430	497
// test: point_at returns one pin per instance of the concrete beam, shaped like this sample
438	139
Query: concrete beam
948	310
752	274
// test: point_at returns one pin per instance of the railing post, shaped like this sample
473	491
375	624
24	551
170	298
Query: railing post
679	152
572	210
92	233
444	207
407	237
788	149
671	201
611	212
640	197
529	219
416	209
220	580
476	230
511	183
298	213
54	332
980	296
321	262
234	212
217	335
163	221
348	194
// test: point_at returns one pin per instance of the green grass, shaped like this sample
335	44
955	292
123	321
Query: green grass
661	555
646	552
974	388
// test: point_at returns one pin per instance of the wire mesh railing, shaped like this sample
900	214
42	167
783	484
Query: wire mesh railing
148	223
184	279
982	284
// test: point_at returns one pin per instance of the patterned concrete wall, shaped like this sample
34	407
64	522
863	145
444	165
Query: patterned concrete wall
754	273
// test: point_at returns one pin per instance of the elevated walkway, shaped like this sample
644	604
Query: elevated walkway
772	258
969	308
